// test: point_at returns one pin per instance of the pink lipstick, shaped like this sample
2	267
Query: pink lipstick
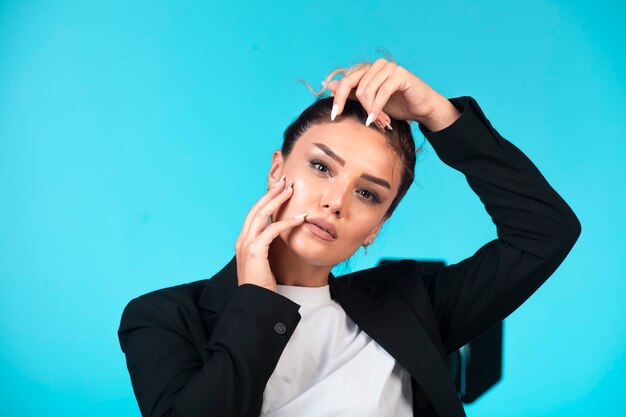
321	228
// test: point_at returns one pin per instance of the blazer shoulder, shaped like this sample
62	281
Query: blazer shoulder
177	294
161	305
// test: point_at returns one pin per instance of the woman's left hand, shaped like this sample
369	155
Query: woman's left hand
387	89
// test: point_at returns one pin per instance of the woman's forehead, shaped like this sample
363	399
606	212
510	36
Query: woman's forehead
348	135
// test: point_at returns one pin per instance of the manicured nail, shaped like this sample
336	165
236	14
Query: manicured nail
389	126
300	216
334	111
288	187
370	119
277	183
324	84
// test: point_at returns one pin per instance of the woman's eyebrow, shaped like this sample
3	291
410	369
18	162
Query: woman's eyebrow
342	162
376	180
330	153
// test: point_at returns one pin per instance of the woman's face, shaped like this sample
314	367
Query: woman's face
344	174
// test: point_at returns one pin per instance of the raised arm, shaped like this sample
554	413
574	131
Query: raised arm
536	229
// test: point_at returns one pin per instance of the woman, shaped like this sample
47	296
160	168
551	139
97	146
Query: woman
274	333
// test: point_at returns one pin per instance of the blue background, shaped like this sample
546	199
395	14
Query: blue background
134	136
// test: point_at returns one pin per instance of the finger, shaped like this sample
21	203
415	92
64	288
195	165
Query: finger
271	193
260	220
370	92
368	85
385	91
346	84
330	76
388	125
332	86
272	231
383	119
388	87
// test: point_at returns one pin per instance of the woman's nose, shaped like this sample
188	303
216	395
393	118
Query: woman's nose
334	199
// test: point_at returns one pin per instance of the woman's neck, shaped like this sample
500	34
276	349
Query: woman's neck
290	269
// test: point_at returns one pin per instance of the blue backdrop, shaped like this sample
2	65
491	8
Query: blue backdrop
134	136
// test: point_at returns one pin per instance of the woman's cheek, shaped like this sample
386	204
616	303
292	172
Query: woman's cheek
295	204
298	201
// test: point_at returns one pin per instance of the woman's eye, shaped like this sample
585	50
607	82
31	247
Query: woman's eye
368	195
320	166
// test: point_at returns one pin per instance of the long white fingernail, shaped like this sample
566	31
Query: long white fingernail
334	111
370	119
288	187
300	216
324	84
277	183
389	126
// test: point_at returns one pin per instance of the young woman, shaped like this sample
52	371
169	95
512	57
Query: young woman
274	333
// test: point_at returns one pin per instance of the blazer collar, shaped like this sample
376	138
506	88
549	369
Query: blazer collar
220	287
380	312
383	315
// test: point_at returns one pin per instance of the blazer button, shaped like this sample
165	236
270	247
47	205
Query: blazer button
280	328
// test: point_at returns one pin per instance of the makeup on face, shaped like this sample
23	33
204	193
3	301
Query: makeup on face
321	228
345	177
328	151
368	194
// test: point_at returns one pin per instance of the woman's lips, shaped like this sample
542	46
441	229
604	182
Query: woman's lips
319	232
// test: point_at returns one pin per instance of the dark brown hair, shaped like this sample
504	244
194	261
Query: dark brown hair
400	138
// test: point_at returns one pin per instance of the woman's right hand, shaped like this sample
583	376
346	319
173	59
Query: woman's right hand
252	246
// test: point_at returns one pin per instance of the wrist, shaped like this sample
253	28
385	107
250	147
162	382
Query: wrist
442	114
271	287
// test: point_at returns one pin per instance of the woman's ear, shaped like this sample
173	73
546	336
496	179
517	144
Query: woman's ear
276	169
370	238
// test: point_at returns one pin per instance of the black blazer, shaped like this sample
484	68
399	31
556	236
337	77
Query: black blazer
208	348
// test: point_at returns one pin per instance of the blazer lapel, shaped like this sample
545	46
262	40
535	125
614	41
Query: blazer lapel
218	289
387	319
384	316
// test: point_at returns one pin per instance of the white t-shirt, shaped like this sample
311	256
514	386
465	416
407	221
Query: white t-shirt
330	367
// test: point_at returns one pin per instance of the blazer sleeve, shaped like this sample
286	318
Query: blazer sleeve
171	378
536	229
